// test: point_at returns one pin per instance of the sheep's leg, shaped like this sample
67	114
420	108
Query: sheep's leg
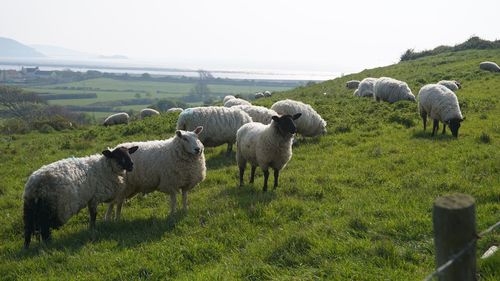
276	176
45	232
173	203
435	127
118	210
252	173
242	166
229	148
109	212
184	200
92	214
444	128
424	119
266	177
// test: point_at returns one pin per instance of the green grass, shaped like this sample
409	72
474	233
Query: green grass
353	205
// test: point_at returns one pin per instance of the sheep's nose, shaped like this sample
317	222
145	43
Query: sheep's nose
197	150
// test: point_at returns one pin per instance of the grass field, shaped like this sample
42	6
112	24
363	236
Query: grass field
355	204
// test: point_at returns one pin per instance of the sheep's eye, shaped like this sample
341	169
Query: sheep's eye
184	138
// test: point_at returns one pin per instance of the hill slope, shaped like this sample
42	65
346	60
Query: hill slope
12	48
353	205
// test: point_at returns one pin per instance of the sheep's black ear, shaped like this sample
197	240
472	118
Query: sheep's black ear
107	153
276	118
178	133
296	116
198	130
132	149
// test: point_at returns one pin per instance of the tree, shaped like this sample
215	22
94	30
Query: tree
19	103
201	87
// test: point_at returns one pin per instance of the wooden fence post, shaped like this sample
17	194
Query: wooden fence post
454	222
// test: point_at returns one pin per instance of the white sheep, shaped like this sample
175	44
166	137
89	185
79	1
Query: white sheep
391	90
365	87
236	101
228	97
267	94
174	109
266	146
489	66
220	124
117	118
441	104
450	84
172	165
147	112
310	124
352	84
258	95
258	113
56	192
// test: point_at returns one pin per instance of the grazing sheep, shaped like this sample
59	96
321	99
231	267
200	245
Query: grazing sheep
489	66
172	165
267	94
441	104
174	109
236	101
258	96
365	87
147	112
228	97
352	84
391	90
266	146
451	84
258	113
310	125
220	124
56	192
117	118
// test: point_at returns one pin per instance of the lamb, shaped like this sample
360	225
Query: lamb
365	88
147	112
451	84
236	101
310	125
220	124
489	66
117	118
228	97
392	90
172	165
258	95
441	104
352	84
266	146
258	113
267	94
174	109
56	192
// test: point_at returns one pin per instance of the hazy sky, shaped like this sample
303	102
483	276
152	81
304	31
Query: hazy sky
337	36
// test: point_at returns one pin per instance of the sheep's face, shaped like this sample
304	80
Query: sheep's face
454	126
122	156
458	84
190	142
285	124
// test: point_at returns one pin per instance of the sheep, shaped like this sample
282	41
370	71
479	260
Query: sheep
147	112
310	125
266	146
352	84
228	97
450	84
236	101
365	88
172	165
258	95
441	104
267	94
391	90
220	124
57	191
258	113
117	118
489	66
174	109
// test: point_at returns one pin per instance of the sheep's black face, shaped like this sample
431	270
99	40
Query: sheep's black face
285	123
454	126
122	156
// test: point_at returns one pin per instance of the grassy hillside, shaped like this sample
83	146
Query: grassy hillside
353	205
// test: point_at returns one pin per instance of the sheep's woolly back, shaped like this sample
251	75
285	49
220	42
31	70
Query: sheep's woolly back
392	90
146	112
174	109
220	124
267	94
310	124
236	101
228	97
450	84
258	95
439	103
258	113
365	88
489	66
163	165
68	185
352	84
263	146
117	118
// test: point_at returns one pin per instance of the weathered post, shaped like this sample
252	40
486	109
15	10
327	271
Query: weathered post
454	221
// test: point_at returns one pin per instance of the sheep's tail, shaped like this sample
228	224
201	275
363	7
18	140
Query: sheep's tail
38	216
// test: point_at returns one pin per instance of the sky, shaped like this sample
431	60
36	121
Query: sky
309	35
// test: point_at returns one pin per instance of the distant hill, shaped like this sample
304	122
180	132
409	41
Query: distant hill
59	52
113	57
12	48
